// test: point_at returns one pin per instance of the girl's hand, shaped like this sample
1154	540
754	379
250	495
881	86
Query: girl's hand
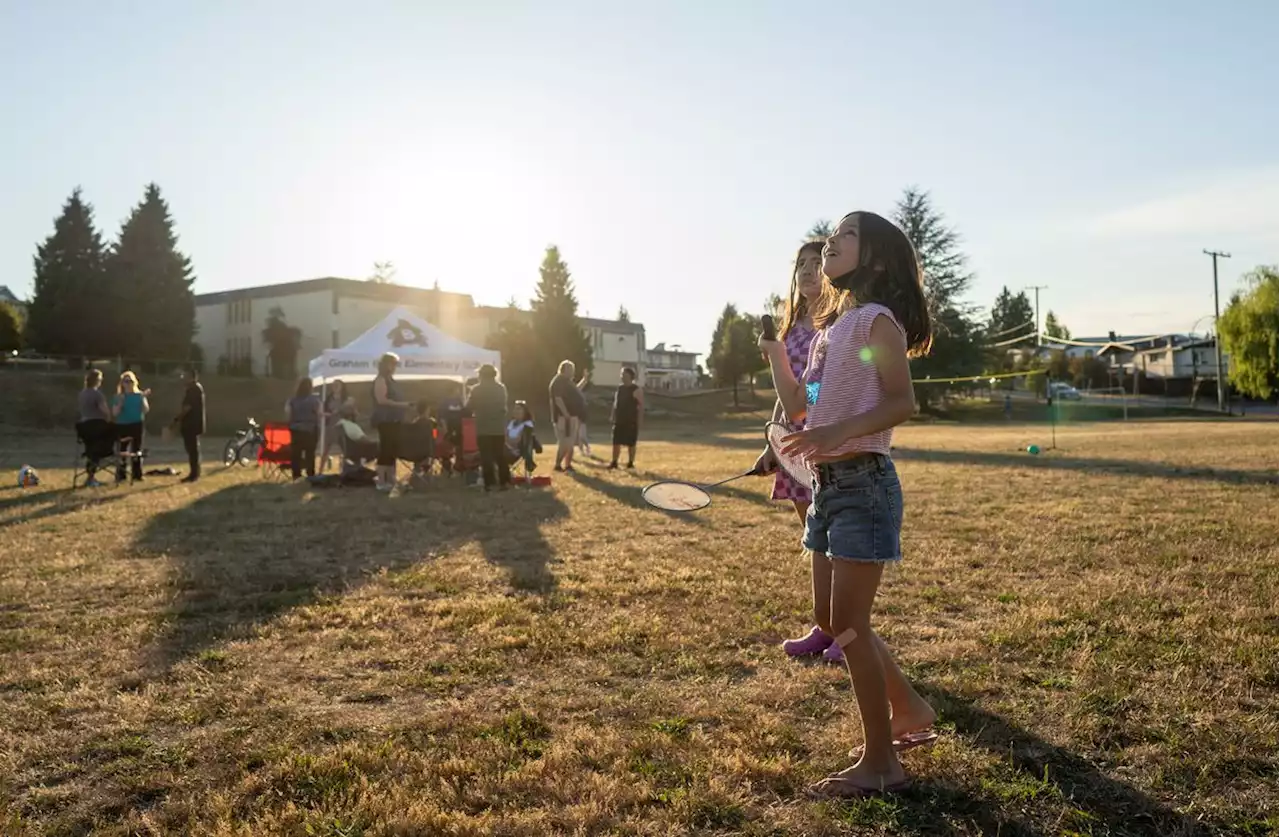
766	463
814	441
770	347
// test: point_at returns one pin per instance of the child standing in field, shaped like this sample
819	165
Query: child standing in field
857	388
797	335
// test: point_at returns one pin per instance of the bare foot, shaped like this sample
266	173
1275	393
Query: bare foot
909	728
860	781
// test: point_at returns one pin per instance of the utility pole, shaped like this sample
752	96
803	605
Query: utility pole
1037	289
1217	336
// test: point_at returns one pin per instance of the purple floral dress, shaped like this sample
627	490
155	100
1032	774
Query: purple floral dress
797	341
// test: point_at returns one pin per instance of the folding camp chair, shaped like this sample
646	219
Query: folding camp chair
418	450
467	457
275	456
97	452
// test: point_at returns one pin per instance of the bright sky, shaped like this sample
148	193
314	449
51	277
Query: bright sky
676	151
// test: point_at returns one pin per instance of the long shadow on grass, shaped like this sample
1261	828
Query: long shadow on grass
250	552
60	502
1122	467
1109	806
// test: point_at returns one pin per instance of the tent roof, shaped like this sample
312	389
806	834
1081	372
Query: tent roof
425	352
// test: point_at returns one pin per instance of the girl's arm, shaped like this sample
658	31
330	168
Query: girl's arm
116	404
288	412
790	391
146	405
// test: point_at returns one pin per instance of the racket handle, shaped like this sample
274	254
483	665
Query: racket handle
767	328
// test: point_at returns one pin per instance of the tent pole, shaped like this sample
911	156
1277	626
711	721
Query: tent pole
324	387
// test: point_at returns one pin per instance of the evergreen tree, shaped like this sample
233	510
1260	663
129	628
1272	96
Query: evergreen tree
1053	328
10	328
1011	328
957	345
557	333
523	372
1012	316
624	316
151	282
820	231
66	314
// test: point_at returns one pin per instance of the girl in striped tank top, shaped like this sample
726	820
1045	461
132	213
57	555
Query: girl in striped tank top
856	389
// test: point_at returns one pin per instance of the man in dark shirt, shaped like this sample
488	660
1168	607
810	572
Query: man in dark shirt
628	409
190	421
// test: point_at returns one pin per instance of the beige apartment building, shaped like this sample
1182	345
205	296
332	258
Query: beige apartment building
331	312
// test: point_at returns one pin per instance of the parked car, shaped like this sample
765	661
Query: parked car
1064	392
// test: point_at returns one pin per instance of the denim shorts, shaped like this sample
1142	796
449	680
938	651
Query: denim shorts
857	511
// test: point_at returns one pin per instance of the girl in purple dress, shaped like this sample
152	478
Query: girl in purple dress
796	334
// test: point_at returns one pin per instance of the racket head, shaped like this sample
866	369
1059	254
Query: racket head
676	496
794	466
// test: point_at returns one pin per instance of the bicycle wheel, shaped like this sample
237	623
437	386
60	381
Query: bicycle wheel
249	453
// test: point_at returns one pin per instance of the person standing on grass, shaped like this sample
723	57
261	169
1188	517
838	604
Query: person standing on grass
566	414
584	439
388	414
488	403
191	422
796	334
94	425
628	410
130	408
871	317
304	413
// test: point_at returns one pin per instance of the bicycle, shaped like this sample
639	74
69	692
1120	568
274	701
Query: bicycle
243	449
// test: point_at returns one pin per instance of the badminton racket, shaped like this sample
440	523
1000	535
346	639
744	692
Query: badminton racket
681	496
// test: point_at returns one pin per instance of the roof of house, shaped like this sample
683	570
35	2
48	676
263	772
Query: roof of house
613	326
347	287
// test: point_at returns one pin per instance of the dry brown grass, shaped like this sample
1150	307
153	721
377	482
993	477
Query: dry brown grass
1096	627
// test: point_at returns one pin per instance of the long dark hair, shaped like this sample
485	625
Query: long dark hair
797	307
304	388
888	273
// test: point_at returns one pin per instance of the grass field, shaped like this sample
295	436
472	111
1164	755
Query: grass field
1096	626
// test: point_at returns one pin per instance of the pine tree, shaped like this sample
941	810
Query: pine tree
1012	317
556	330
151	284
624	316
820	231
957	346
1053	328
66	315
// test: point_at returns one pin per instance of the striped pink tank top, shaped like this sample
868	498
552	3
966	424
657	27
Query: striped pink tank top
841	381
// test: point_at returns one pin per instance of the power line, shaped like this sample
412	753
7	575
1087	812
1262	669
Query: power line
1019	339
1027	324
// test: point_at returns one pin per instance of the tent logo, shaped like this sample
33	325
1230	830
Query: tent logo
407	334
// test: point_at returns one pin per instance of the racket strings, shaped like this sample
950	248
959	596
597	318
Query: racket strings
795	466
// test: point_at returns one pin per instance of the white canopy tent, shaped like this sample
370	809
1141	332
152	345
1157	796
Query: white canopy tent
425	352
